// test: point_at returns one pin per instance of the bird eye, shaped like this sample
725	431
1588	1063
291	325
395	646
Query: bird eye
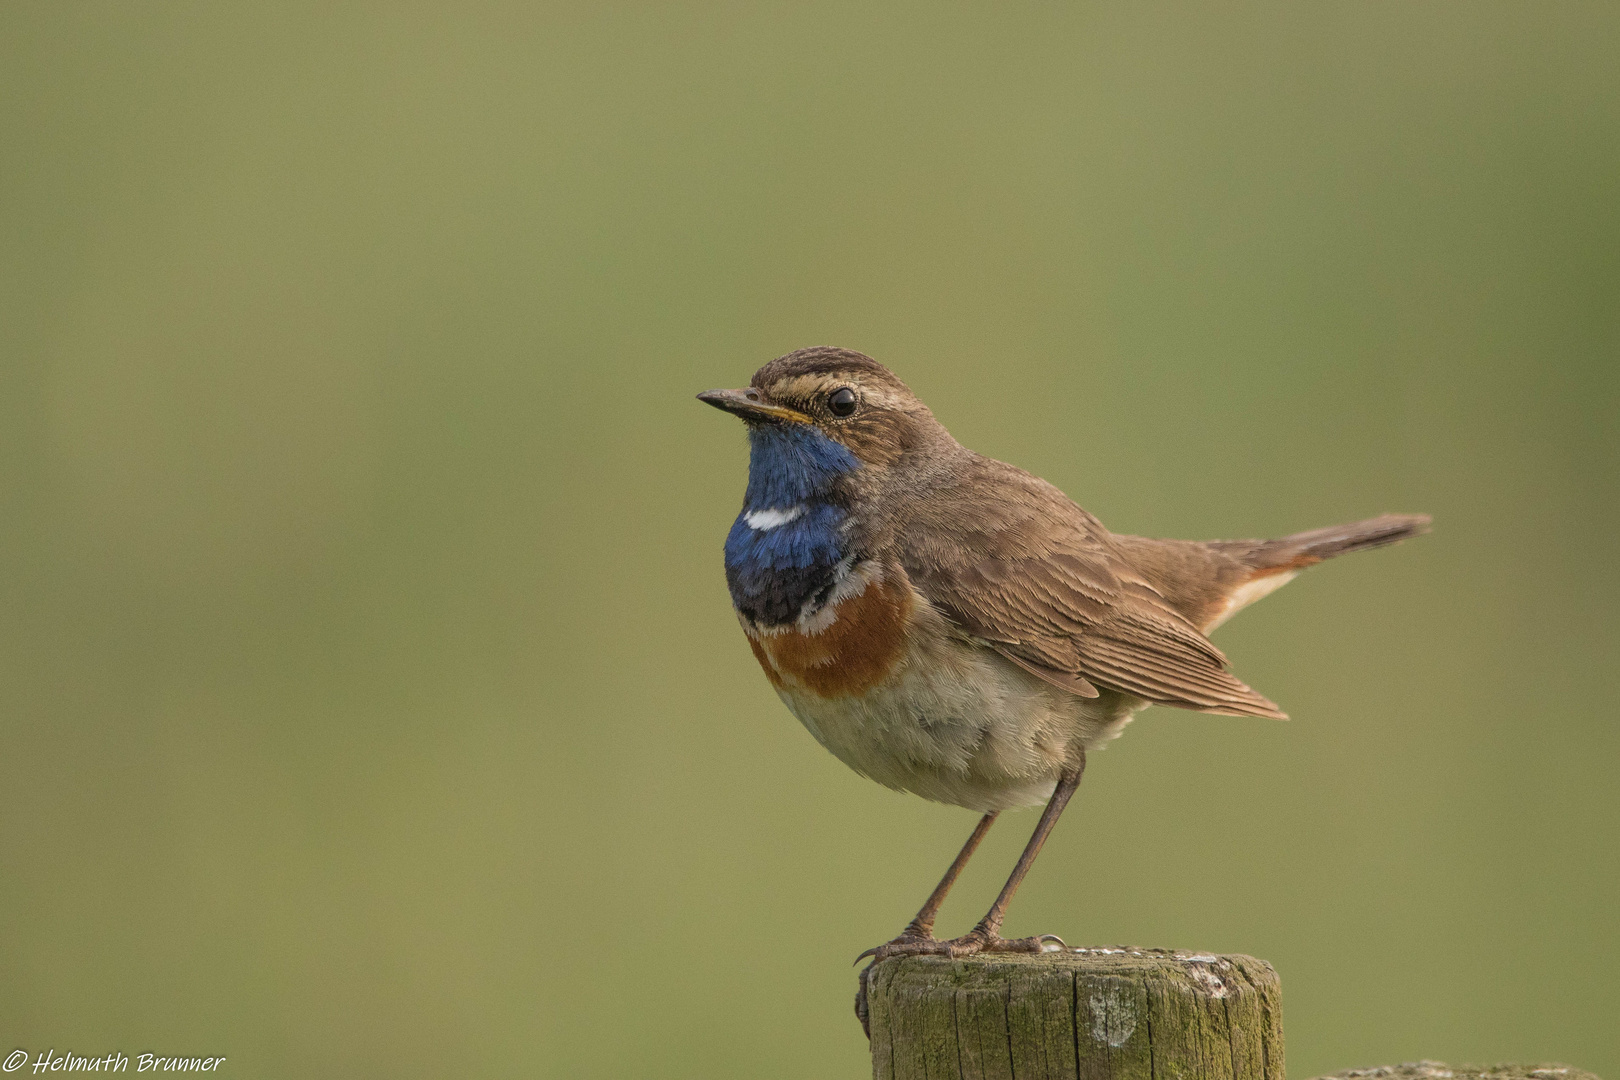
841	401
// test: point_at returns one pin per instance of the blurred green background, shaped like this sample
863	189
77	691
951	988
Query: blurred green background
372	703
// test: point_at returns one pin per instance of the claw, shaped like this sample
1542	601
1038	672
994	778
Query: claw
907	944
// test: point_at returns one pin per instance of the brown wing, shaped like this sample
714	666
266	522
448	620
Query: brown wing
1013	562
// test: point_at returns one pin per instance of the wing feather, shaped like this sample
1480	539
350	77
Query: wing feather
1038	579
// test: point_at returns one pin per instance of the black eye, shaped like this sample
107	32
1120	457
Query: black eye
841	401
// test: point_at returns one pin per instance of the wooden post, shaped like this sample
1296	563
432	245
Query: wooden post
1088	1014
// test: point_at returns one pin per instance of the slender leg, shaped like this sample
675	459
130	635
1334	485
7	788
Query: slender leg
921	928
923	925
920	931
986	936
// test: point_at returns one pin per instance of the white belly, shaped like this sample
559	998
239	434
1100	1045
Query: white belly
957	723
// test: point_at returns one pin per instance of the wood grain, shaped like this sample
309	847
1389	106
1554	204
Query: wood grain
1098	1014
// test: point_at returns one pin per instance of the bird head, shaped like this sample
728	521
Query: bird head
836	395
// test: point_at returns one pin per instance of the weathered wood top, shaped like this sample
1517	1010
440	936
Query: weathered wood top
1115	1013
1119	1012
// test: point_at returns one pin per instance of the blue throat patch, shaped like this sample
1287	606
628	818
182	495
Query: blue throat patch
774	572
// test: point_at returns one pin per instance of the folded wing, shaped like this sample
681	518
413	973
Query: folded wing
1039	580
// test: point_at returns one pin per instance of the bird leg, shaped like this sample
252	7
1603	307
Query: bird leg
921	928
986	936
918	938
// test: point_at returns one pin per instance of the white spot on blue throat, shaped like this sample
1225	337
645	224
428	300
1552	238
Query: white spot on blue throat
760	520
783	548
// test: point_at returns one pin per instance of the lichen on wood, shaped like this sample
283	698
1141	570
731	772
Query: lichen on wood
1439	1070
1098	1014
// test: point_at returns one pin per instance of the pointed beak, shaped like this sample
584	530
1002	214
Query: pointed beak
751	405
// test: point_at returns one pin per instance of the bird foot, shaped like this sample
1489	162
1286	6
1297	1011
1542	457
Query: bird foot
977	940
909	943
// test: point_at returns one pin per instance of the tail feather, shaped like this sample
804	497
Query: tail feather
1307	548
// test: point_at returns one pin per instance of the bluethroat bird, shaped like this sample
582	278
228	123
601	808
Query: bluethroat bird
952	626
